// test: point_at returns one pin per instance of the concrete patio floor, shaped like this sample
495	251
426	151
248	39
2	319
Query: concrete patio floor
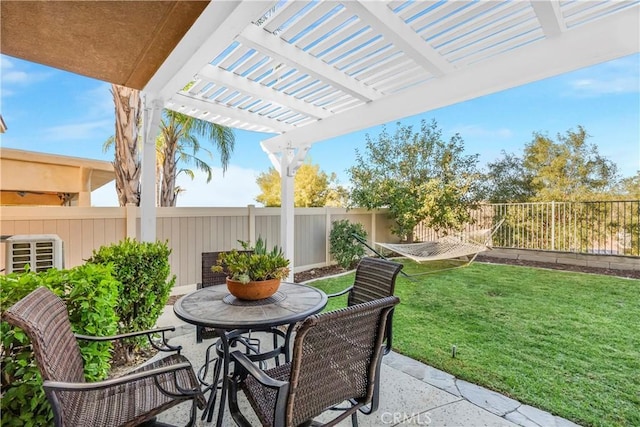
412	393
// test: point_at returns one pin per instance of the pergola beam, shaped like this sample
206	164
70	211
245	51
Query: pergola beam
225	78
391	26
609	38
550	17
269	44
270	125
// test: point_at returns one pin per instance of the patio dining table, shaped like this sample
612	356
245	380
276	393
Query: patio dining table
214	307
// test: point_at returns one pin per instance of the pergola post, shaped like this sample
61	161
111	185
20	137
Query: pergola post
152	115
287	163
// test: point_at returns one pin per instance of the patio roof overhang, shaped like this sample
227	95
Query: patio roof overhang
122	42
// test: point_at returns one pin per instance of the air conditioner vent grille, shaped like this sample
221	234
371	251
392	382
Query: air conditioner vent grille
41	252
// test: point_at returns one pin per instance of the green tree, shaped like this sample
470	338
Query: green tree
312	188
629	188
127	165
507	180
179	146
418	176
569	169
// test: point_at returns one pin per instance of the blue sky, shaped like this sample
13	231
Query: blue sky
53	111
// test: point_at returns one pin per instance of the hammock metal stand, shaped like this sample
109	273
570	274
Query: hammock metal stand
447	250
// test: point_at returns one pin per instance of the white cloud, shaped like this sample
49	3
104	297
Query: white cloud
77	131
14	77
479	131
237	188
614	77
595	86
11	75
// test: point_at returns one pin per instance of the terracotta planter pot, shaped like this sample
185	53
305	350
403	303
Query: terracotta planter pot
253	290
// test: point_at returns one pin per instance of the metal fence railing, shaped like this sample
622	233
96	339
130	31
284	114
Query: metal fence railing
606	227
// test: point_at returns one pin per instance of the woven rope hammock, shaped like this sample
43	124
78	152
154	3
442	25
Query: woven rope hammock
467	244
448	247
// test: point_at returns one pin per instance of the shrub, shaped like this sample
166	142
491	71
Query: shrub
143	270
343	247
90	294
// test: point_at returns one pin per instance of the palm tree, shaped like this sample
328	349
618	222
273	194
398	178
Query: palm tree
179	145
127	159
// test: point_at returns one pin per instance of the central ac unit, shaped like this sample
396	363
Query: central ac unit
40	251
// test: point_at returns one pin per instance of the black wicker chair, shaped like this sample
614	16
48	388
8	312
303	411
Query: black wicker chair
375	278
336	359
129	400
209	278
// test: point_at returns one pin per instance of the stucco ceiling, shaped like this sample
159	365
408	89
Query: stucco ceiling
122	42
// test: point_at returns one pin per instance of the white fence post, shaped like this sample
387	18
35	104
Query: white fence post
553	226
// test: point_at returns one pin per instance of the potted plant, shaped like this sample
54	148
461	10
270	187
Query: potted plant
254	273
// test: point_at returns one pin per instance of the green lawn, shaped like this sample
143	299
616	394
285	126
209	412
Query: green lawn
568	343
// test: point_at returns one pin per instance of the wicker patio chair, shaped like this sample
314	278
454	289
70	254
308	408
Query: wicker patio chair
209	278
375	278
336	359
129	400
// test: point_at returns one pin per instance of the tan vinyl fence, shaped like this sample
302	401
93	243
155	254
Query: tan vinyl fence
189	231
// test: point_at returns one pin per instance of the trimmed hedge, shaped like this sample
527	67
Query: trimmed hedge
91	295
143	270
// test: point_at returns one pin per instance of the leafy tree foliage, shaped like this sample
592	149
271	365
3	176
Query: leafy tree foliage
418	176
567	169
629	188
508	180
312	188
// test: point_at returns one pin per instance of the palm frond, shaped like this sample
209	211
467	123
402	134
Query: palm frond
110	142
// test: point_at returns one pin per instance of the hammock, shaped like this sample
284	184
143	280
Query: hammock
448	247
462	245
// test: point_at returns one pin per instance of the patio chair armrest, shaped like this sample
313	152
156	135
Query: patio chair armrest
342	292
256	372
149	333
98	385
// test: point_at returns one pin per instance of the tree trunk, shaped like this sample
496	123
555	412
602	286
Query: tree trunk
127	164
168	191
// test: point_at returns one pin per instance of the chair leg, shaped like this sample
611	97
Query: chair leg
354	419
193	415
233	403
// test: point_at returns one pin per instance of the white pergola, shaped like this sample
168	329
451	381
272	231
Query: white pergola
312	70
